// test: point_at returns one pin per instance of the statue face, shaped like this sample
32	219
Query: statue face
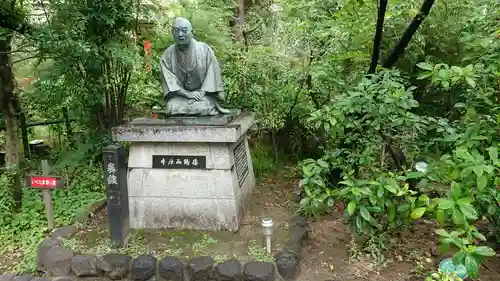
182	31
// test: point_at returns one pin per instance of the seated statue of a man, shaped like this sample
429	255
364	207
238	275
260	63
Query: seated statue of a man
190	75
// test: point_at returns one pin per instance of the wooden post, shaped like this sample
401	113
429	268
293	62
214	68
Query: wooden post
115	173
47	197
24	135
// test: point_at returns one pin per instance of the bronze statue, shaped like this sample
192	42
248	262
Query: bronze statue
190	75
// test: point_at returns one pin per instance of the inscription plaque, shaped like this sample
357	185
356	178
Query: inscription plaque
179	162
241	162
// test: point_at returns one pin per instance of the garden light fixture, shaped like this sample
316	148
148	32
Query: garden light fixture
267	230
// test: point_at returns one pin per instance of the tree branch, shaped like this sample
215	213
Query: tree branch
378	36
409	32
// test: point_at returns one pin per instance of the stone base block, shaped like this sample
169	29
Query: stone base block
213	196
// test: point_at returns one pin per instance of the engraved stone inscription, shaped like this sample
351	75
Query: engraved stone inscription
179	162
241	162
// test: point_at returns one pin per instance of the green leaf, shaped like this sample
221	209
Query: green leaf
455	190
470	82
322	163
424	199
493	152
471	266
347	182
391	188
456	233
446	204
479	236
393	184
403	207
482	181
414	175
457	217
306	171
391	213
458	258
464	201
424	75
373	199
425	66
440	216
365	214
351	207
478	170
380	192
360	225
303	182
417	213
485	251
468	211
442	232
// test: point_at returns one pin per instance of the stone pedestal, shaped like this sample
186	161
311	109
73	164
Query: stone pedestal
188	176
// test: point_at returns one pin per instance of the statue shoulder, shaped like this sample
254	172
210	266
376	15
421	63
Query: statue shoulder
204	46
168	52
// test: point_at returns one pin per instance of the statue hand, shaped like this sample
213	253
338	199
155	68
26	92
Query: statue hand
198	95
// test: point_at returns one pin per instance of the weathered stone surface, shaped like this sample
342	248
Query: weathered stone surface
23	278
298	229
65	278
200	268
335	278
298	220
172	269
84	265
229	133
115	266
44	247
7	277
217	120
57	261
294	247
63	232
143	268
288	265
258	271
40	279
229	270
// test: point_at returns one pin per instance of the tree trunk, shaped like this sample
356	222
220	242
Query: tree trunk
10	107
238	27
409	32
378	36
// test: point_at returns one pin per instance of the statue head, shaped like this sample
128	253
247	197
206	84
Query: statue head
182	31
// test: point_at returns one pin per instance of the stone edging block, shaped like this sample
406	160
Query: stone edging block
288	260
60	264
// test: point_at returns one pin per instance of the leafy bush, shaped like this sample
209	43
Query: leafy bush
443	276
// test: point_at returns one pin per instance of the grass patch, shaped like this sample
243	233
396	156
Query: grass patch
21	233
258	253
264	162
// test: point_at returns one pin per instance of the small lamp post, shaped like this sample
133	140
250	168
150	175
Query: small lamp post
155	110
267	230
421	164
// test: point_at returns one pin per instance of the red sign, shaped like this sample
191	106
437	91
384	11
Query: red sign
147	52
48	182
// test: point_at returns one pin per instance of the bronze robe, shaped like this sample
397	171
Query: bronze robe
194	69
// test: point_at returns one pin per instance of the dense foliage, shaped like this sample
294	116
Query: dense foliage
442	104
